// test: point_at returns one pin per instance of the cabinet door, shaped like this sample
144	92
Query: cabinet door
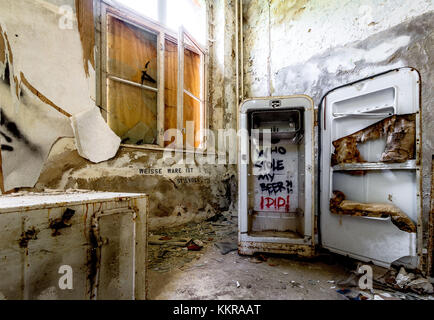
370	203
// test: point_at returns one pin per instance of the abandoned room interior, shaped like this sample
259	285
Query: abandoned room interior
216	149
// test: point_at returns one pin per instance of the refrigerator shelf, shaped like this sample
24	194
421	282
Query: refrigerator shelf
408	165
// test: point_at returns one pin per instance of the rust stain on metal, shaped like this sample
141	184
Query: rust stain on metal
28	235
84	9
400	145
42	97
250	248
94	253
339	205
62	223
85	219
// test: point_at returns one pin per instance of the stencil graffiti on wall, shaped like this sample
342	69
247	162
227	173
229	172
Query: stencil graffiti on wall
276	189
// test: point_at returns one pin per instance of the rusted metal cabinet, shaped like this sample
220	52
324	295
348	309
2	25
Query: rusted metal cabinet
100	238
361	165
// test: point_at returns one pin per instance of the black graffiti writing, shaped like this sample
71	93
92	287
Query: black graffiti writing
274	150
5	147
277	187
188	180
7	138
279	150
289	186
274	165
13	130
267	177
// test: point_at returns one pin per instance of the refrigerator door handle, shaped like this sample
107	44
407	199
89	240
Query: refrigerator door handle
367	113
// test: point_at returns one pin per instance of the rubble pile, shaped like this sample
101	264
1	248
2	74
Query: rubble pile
387	284
174	248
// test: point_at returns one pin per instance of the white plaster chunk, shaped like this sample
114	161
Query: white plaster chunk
94	139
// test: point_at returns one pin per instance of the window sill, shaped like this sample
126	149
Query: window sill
152	147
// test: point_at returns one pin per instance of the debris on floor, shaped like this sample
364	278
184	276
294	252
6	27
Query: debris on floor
200	261
168	241
406	282
226	247
388	284
351	281
174	248
195	245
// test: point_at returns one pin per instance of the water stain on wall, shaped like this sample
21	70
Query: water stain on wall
284	11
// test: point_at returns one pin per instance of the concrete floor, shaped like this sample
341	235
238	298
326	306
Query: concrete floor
176	273
215	276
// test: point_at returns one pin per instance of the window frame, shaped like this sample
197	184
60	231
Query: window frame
182	36
163	34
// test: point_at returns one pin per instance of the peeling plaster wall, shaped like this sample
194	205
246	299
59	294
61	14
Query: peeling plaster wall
43	71
174	198
231	100
216	63
222	73
50	57
282	33
312	46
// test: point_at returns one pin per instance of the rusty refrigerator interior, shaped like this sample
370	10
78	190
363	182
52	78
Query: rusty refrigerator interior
350	185
99	238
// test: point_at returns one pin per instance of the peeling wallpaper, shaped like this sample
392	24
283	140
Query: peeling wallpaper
43	83
50	57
